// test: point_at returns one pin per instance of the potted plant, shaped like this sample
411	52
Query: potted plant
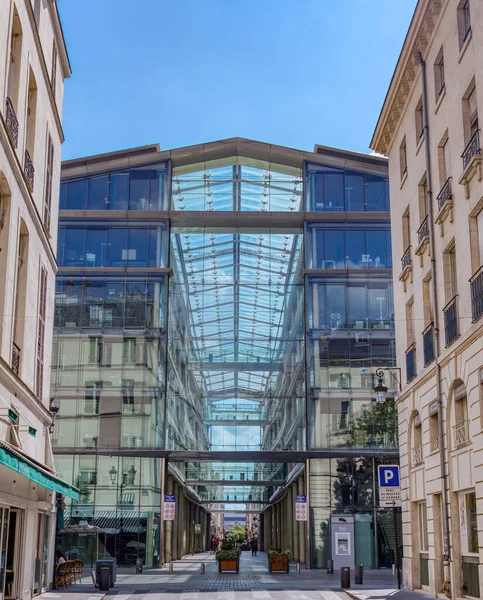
227	557
278	560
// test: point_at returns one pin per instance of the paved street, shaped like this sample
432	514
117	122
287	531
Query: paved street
253	582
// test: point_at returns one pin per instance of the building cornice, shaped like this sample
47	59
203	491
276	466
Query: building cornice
417	40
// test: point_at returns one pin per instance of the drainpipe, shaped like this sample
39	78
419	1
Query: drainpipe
437	343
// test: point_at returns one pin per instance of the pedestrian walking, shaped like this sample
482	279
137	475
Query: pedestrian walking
254	544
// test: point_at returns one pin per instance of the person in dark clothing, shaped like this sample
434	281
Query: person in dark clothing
254	544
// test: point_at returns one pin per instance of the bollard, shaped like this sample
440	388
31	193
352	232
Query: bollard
345	577
105	579
202	568
139	565
359	574
330	567
298	569
393	569
171	568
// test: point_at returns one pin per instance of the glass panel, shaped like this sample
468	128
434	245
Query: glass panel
96	247
76	194
335	253
139	198
119	191
72	247
357	257
377	193
98	193
118	249
334	191
354	192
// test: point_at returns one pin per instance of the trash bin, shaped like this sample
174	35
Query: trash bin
104	578
345	577
359	574
330	567
106	562
139	565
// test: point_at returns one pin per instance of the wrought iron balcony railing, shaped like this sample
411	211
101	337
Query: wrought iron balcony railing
476	286
406	259
418	454
461	433
12	121
445	194
411	362
472	149
15	358
428	344
451	321
29	170
423	231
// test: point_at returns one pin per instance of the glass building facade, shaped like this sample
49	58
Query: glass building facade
210	321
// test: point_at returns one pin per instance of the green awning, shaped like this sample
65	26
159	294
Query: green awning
15	460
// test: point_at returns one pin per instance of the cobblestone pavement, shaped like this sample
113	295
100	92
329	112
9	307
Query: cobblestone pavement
253	582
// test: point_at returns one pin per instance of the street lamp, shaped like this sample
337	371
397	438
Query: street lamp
380	389
113	474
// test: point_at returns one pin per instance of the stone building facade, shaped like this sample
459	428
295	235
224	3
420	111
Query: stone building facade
429	130
33	66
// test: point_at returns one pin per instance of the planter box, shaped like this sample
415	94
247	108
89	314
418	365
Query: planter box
229	565
278	565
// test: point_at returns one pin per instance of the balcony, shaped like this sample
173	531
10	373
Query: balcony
451	321
423	239
12	122
445	204
471	162
476	286
15	358
417	455
411	363
461	435
407	267
428	344
29	170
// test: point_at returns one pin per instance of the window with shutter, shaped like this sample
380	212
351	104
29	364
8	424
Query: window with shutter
48	183
39	374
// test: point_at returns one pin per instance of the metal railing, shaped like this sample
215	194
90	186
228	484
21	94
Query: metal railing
406	258
445	194
428	344
476	286
29	170
461	433
418	454
15	358
472	149
423	231
411	362
451	321
12	121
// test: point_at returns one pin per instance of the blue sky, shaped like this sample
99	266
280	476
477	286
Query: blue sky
289	72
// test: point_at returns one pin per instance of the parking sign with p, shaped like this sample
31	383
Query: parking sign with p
388	475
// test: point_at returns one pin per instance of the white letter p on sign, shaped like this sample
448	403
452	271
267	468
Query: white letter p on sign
388	475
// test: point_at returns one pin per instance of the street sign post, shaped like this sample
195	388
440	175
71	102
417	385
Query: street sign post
390	497
301	508
169	507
